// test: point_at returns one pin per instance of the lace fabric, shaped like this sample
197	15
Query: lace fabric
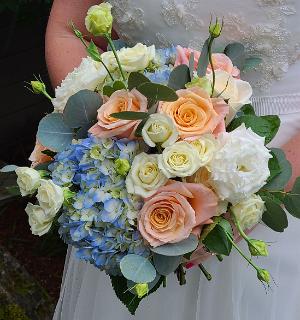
268	29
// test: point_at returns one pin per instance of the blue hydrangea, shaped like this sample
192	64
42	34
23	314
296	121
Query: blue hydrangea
99	221
160	75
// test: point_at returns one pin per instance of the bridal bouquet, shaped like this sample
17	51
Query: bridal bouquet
154	159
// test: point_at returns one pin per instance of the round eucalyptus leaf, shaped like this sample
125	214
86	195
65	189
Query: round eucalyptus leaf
165	265
157	92
137	269
179	77
53	133
9	168
236	52
82	108
179	248
292	200
274	216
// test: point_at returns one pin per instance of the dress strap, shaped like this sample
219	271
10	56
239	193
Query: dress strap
277	105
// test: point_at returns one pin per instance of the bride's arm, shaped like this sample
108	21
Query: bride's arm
63	50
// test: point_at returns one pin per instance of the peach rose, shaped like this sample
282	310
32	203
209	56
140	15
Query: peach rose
220	60
37	157
175	211
195	113
120	100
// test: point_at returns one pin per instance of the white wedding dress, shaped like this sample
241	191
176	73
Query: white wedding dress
269	29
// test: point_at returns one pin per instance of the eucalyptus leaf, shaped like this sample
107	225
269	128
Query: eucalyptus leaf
279	181
157	92
179	248
138	131
274	167
292	200
274	216
135	79
53	133
179	77
81	109
203	60
251	63
236	52
9	168
265	126
137	269
108	90
130	115
165	265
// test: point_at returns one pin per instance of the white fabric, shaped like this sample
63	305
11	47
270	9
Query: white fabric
271	29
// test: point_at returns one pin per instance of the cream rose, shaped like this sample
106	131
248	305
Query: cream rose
28	180
236	91
50	196
179	160
159	129
206	147
144	177
249	211
40	220
132	59
240	166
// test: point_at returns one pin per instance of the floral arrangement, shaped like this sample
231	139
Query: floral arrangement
154	159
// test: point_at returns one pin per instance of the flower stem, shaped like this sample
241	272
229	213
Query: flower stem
164	281
111	44
238	226
211	40
205	272
219	257
181	275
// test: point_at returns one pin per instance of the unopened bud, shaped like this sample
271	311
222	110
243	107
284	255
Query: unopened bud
263	275
38	87
215	29
258	248
141	289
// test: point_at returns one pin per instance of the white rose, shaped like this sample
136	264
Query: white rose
50	196
132	59
240	166
28	180
159	129
236	91
88	75
40	220
249	211
206	147
179	160
144	177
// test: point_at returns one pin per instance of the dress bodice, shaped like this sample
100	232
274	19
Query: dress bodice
269	29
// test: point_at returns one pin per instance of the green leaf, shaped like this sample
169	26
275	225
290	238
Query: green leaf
274	216
119	85
247	109
53	133
8	168
108	90
279	181
292	200
93	51
216	238
130	115
192	64
236	52
131	301
179	77
137	269
81	109
179	248
251	63
265	126
203	60
135	79
138	131
165	265
49	153
274	167
157	92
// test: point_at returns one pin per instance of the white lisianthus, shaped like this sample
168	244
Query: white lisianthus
28	180
206	147
88	75
159	129
144	177
240	166
99	19
236	91
40	220
179	160
132	59
50	196
249	211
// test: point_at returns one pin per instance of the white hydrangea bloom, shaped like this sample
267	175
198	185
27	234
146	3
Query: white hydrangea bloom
87	75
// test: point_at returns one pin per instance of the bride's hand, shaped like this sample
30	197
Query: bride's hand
63	50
